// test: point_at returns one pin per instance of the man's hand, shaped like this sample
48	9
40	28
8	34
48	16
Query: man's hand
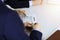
27	24
36	2
37	27
21	12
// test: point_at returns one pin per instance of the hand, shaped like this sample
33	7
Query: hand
37	27
21	12
36	2
27	24
28	27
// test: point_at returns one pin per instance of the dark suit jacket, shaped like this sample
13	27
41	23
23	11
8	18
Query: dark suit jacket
11	26
18	3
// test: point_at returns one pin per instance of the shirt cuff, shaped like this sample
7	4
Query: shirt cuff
30	3
2	0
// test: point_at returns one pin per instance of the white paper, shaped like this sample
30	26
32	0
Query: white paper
29	19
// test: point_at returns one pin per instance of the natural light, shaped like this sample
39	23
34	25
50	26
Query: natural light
54	1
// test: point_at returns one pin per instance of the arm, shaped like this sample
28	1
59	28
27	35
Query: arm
17	4
36	34
1	36
22	4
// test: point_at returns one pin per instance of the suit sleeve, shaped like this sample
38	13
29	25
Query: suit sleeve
1	28
35	35
1	35
18	4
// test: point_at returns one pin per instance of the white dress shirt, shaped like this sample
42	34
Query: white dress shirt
30	3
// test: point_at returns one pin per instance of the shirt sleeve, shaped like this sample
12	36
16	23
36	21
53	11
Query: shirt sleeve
30	3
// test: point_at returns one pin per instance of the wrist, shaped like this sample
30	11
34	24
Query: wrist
36	2
37	29
33	3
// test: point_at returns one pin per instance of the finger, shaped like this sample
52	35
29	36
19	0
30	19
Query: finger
35	23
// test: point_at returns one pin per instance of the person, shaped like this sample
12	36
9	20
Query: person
12	28
23	4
